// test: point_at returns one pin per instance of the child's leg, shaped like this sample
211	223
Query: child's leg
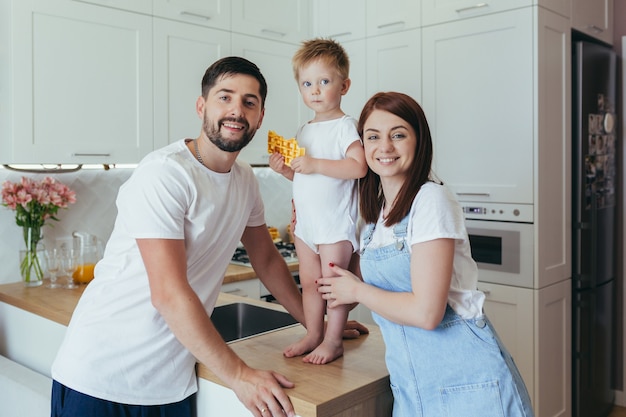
313	304
332	346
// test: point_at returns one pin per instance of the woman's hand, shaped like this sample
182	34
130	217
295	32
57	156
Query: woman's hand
340	289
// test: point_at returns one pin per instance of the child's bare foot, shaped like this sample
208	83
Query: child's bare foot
326	352
302	346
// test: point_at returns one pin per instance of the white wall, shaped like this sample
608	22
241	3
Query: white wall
94	211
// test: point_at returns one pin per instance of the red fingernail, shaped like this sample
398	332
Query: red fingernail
331	264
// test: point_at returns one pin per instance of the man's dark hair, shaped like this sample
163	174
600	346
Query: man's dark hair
229	66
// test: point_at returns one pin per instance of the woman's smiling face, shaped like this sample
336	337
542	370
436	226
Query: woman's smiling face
390	144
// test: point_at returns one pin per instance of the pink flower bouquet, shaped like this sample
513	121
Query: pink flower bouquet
35	202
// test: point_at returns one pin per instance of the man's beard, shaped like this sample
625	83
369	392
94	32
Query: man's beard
214	135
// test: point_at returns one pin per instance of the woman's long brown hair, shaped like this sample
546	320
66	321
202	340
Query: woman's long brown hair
371	194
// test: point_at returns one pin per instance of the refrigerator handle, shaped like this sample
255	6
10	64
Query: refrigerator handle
593	270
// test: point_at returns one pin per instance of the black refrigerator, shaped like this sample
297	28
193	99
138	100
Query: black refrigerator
594	77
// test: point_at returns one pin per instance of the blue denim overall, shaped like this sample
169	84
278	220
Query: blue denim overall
459	369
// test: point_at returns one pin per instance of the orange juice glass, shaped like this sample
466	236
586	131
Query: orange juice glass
83	273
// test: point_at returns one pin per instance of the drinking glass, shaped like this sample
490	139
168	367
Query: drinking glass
53	265
69	264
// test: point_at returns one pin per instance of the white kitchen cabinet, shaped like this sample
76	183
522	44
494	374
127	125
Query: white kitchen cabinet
248	288
386	16
594	18
362	314
352	103
393	63
280	20
439	11
29	339
553	350
552	150
139	6
182	53
330	19
284	109
212	13
481	94
478	99
76	83
510	310
217	400
535	327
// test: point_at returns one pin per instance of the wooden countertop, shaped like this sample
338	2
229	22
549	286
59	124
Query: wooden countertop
321	390
236	273
58	304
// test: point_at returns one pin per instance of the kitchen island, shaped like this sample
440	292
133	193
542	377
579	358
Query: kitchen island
33	321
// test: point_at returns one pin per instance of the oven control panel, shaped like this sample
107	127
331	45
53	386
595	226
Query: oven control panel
521	213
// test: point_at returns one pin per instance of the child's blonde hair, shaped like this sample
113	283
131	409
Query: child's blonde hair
326	50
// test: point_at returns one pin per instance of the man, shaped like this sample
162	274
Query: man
144	321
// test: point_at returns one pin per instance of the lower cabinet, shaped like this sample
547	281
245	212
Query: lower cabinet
216	400
362	314
249	288
535	326
34	348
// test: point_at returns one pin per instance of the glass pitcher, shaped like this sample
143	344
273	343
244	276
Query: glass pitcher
89	253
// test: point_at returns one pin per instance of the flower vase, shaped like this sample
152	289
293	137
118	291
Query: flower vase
31	257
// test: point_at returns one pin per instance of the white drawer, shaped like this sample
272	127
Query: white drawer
248	288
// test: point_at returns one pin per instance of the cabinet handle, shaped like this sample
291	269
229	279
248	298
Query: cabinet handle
596	29
198	15
237	291
273	33
90	154
386	25
339	35
475	194
476	6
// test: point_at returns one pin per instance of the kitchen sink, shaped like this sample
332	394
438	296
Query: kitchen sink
239	321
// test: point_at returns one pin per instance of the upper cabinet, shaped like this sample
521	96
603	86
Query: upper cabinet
182	53
108	81
75	83
478	98
330	19
439	11
212	13
279	20
352	103
284	109
139	6
394	63
392	16
594	18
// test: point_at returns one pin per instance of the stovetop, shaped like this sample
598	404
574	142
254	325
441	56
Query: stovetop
287	250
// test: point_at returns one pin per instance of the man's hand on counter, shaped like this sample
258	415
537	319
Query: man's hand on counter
353	329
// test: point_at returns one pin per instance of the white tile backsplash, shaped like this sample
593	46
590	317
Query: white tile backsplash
95	211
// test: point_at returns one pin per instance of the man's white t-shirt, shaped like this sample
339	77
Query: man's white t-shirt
117	346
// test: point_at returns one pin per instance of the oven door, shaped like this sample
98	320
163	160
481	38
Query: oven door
503	251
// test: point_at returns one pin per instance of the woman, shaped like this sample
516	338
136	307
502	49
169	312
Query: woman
443	355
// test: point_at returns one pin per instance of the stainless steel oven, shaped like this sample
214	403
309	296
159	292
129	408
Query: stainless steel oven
501	247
